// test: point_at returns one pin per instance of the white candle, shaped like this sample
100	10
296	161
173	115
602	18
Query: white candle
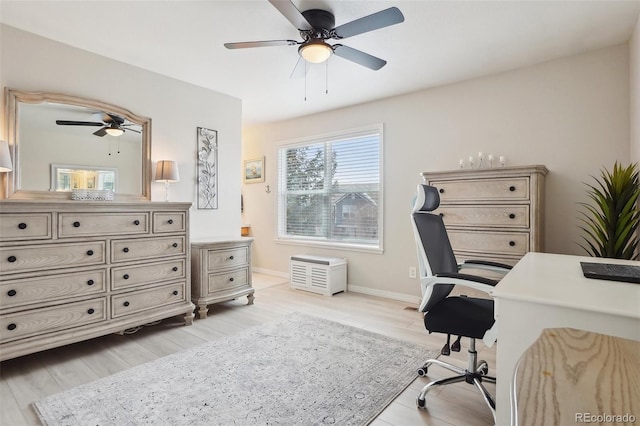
480	155
490	157
461	161
471	159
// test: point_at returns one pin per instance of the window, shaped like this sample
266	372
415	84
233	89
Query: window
330	189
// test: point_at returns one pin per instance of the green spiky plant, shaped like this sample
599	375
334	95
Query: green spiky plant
611	222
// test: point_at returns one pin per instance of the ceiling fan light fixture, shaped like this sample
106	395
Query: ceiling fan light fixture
315	51
114	131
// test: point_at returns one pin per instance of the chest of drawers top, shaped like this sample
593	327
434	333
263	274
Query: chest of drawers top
22	221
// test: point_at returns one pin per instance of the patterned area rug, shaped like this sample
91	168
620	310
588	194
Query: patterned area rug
301	370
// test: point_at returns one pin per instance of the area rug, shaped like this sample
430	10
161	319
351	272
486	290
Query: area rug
300	370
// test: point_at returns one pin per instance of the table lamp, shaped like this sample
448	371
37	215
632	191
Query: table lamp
167	171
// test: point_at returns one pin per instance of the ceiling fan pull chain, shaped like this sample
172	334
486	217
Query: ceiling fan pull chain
326	77
305	81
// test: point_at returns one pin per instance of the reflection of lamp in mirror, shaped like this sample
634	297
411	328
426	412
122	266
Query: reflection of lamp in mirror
167	171
5	157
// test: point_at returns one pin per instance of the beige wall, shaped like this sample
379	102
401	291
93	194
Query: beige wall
634	68
571	115
32	63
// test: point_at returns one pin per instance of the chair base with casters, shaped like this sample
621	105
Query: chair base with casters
474	374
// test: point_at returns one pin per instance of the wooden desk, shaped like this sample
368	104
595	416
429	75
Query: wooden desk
549	291
570	375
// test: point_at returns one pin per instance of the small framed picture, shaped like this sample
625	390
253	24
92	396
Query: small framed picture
254	170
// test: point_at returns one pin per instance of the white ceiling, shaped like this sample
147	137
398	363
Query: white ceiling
440	42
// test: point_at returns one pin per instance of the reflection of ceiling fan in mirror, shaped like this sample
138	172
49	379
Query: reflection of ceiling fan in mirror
111	124
317	25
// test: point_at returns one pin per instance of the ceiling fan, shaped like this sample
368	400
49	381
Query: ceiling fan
111	124
316	26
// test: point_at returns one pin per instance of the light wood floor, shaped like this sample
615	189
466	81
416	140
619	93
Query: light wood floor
32	377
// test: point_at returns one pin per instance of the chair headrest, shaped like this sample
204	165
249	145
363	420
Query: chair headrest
427	199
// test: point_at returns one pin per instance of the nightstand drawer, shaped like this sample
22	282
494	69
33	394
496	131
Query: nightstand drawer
509	243
229	258
25	226
507	189
228	280
29	323
51	287
86	224
128	276
137	301
34	258
488	216
146	248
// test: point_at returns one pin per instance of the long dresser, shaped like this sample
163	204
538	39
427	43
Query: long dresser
494	213
71	271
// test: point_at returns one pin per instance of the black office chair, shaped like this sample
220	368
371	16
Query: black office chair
452	315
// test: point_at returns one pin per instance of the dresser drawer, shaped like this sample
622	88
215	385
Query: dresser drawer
227	258
86	224
51	287
228	280
30	323
169	222
509	243
35	258
146	248
496	189
137	301
516	216
128	276
25	226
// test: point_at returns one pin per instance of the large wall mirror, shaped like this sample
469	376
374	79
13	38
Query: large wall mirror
61	143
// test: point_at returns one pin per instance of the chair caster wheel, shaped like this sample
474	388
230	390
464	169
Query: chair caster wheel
421	403
483	367
422	371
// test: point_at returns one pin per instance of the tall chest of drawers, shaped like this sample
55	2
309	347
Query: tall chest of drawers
492	214
221	271
71	271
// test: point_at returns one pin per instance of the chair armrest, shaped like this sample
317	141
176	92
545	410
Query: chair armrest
485	285
502	268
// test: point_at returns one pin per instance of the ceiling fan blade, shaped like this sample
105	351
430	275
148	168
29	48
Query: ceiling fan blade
300	70
101	132
291	12
359	57
266	43
130	130
110	118
375	21
77	123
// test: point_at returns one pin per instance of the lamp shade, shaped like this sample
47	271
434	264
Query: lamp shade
315	51
167	171
5	157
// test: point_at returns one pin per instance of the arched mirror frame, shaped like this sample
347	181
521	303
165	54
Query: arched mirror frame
14	97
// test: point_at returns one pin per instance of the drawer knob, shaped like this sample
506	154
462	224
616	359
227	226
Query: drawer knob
126	249
126	303
125	276
11	293
512	216
512	188
512	243
90	311
441	190
136	222
174	269
12	326
76	224
12	259
22	225
89	252
90	282
170	221
230	257
174	245
231	279
175	292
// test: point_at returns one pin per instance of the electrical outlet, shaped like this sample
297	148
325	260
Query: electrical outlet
412	272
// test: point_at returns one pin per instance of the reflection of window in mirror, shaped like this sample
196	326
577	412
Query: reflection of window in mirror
67	177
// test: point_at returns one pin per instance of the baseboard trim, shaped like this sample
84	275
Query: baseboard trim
270	272
385	294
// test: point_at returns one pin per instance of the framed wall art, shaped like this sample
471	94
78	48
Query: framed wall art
207	176
254	170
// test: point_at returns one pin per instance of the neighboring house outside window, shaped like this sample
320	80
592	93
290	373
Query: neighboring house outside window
330	189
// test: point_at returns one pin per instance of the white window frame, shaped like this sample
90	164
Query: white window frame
321	242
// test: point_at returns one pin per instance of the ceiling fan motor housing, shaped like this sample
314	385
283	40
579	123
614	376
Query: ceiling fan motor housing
322	22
